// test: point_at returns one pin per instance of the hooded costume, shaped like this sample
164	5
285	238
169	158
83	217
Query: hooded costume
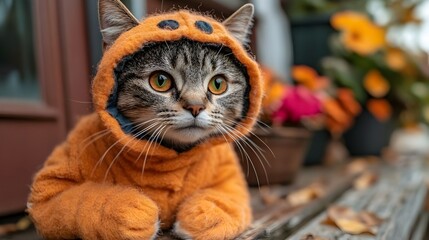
92	186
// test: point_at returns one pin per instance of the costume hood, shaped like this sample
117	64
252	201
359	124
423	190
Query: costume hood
160	28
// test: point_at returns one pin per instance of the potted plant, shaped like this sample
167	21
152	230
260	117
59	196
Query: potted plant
275	151
339	108
382	76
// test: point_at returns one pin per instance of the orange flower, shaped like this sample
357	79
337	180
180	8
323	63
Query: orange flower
274	90
348	101
395	59
359	33
380	109
304	74
337	119
308	77
347	20
375	84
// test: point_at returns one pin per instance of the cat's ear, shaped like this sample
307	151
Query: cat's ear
240	23
115	19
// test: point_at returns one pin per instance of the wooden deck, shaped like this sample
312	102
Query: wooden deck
397	197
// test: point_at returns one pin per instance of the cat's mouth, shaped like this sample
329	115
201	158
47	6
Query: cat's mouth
191	127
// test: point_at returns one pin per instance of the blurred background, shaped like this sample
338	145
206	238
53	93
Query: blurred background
357	70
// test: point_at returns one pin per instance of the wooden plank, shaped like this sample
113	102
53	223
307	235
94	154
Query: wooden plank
397	198
280	219
420	230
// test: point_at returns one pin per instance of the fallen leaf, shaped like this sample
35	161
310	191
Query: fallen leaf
267	196
352	226
337	212
23	224
370	218
305	195
352	222
366	180
358	165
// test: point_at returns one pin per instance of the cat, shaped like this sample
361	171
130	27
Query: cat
188	106
171	94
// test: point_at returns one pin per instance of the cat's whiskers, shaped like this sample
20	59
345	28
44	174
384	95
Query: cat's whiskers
95	137
151	141
89	138
114	159
248	158
105	154
256	136
246	138
147	131
153	125
165	132
252	147
144	131
217	126
259	122
111	147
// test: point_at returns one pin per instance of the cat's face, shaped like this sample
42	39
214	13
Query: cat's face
182	92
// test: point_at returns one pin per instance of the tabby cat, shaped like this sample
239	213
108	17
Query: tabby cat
170	94
188	91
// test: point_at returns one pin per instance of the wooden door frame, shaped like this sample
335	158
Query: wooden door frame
63	73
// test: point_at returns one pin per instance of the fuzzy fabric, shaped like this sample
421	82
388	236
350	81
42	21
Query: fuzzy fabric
92	185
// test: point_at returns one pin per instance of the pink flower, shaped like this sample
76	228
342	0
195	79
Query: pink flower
298	102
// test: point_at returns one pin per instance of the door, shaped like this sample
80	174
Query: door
44	87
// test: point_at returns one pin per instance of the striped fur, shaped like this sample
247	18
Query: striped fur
192	65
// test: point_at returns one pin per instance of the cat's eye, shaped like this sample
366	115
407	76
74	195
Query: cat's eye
160	81
218	85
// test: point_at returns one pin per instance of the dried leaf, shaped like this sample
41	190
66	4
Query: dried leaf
370	218
306	195
352	226
23	224
353	222
357	166
366	180
267	196
337	212
361	164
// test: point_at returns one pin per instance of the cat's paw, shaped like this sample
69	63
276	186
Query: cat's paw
210	219
130	217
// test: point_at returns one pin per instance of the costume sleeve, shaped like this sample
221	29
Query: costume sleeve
65	206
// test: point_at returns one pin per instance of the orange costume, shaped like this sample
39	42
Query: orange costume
92	186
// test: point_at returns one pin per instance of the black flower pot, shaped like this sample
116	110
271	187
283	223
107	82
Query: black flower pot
368	136
317	148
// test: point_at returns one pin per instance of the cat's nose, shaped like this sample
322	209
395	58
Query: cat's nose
195	109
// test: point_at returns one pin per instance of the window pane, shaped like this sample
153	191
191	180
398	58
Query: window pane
18	78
